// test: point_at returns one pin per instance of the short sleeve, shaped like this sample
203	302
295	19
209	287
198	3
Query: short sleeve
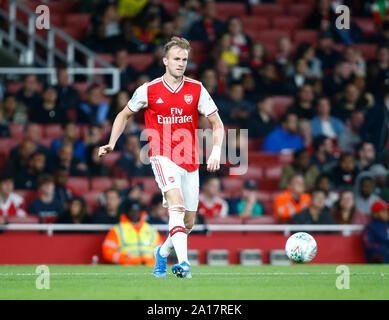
206	105
139	99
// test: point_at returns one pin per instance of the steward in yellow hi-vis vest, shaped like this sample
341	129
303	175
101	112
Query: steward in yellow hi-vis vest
133	240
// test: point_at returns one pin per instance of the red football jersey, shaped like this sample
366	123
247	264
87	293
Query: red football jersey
171	118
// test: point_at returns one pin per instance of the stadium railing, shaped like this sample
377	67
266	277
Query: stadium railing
287	229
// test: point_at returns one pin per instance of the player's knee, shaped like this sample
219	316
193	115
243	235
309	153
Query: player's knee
174	197
189	222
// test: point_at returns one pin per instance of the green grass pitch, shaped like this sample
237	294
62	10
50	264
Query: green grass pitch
231	282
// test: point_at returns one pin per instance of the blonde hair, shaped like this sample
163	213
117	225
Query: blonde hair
176	41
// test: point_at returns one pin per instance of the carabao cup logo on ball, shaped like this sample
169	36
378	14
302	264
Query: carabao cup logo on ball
301	247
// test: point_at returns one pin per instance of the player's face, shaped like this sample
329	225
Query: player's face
176	61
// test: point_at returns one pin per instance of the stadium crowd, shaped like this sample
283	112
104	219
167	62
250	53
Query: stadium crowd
335	121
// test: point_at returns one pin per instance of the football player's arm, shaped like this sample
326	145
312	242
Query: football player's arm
213	163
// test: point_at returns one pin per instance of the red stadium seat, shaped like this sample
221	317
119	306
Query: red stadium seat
110	159
140	60
268	185
3	160
199	51
52	131
149	184
14	87
311	36
255	144
171	6
285	158
224	220
367	26
286	23
271	36
227	9
263	196
265	219
29	219
273	172
255	23
300	10
7	144
57	7
232	186
92	199
78	20
16	131
106	57
253	172
46	142
281	104
57	20
80	183
271	51
368	50
262	158
268	9
100	183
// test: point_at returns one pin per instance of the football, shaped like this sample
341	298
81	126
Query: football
301	247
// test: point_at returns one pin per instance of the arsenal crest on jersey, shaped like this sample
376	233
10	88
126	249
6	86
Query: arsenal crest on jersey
188	98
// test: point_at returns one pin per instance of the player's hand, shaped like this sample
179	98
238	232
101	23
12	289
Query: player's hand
213	165
103	150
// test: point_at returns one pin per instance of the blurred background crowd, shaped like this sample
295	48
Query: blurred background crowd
314	101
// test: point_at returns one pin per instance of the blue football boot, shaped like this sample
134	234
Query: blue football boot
182	270
160	264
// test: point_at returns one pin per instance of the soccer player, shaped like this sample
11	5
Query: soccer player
172	103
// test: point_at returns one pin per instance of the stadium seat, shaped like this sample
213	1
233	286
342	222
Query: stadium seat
110	159
273	172
29	219
77	20
254	23
46	142
271	36
268	185
14	87
267	9
311	36
106	57
56	7
264	219
100	183
367	26
255	144
7	144
28	195
227	9
171	6
3	160
262	158
57	20
199	51
140	60
224	220
299	10
80	183
52	131
286	23
253	172
271	51
285	158
16	131
281	104
263	196
368	50
232	186
92	199
149	184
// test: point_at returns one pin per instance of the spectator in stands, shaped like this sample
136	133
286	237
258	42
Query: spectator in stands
11	204
147	30
284	137
94	110
110	20
317	213
299	165
375	126
366	155
223	49
236	109
95	164
130	162
380	174
109	212
68	97
284	53
156	67
48	112
63	191
127	73
64	157
303	106
189	11
326	52
247	204
322	17
93	137
223	74
96	40
261	121
351	135
249	86
208	78
353	55
157	213
127	39
323	182
351	101
13	112
305	132
33	132
211	205
27	177
76	214
292	200
322	152
240	41
209	28
383	35
375	235
19	156
28	94
4	129
257	55
345	211
267	80
47	206
343	174
306	51
364	192
335	82
133	240
70	134
297	77
155	7
324	123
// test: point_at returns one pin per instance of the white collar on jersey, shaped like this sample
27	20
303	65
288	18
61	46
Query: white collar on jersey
170	88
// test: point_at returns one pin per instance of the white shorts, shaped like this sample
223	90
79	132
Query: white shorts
170	176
